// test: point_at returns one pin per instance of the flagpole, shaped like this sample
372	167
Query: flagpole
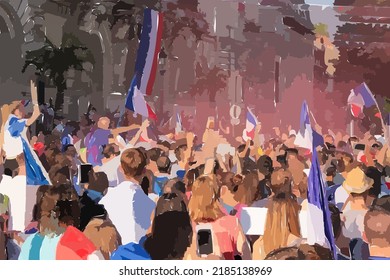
351	128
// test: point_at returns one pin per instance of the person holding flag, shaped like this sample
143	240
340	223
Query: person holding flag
363	106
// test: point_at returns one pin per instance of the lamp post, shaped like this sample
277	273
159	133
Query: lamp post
162	60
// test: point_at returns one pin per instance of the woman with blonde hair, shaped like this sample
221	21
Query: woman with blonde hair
14	142
282	228
225	238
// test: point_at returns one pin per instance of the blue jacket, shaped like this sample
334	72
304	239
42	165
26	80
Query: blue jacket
131	251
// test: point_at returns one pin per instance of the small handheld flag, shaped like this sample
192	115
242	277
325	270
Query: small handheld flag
251	123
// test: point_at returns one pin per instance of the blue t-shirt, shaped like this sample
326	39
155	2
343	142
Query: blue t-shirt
131	251
159	183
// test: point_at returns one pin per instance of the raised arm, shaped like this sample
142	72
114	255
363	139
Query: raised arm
119	130
142	128
34	96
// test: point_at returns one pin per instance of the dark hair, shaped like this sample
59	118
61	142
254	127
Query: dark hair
376	175
163	164
265	165
109	150
69	212
382	203
166	144
67	147
303	252
145	184
171	231
153	154
336	220
98	181
177	151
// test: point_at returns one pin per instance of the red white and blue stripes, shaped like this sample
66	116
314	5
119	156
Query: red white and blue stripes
146	64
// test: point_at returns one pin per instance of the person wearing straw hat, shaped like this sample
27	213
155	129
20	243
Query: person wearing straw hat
357	185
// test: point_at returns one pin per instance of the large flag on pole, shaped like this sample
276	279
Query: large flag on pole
307	137
319	226
251	123
146	64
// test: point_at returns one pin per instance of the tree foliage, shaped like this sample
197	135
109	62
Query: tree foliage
54	62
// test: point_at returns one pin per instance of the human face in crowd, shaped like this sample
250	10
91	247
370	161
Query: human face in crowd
20	112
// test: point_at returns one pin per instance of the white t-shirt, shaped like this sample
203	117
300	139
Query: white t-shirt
13	145
22	199
111	168
129	209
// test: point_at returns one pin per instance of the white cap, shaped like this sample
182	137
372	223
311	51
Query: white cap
292	132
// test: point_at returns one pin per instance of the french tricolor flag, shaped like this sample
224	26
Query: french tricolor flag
307	137
251	122
146	64
361	97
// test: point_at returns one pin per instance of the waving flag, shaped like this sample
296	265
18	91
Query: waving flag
146	64
361	97
135	102
251	122
319	226
307	137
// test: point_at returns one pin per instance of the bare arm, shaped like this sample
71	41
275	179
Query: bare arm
34	96
136	137
120	130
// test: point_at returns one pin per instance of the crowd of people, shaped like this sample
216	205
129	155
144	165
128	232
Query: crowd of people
182	196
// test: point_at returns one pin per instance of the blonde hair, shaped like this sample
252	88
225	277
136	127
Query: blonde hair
281	221
6	110
204	205
104	236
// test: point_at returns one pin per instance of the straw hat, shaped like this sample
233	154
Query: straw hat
357	181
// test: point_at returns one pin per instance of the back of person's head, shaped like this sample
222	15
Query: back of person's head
282	220
171	230
377	227
111	150
281	181
163	164
41	191
204	205
133	162
190	177
98	181
179	151
382	202
48	216
103	235
170	202
153	154
174	185
265	165
303	252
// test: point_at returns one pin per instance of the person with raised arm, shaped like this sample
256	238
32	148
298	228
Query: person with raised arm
14	140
